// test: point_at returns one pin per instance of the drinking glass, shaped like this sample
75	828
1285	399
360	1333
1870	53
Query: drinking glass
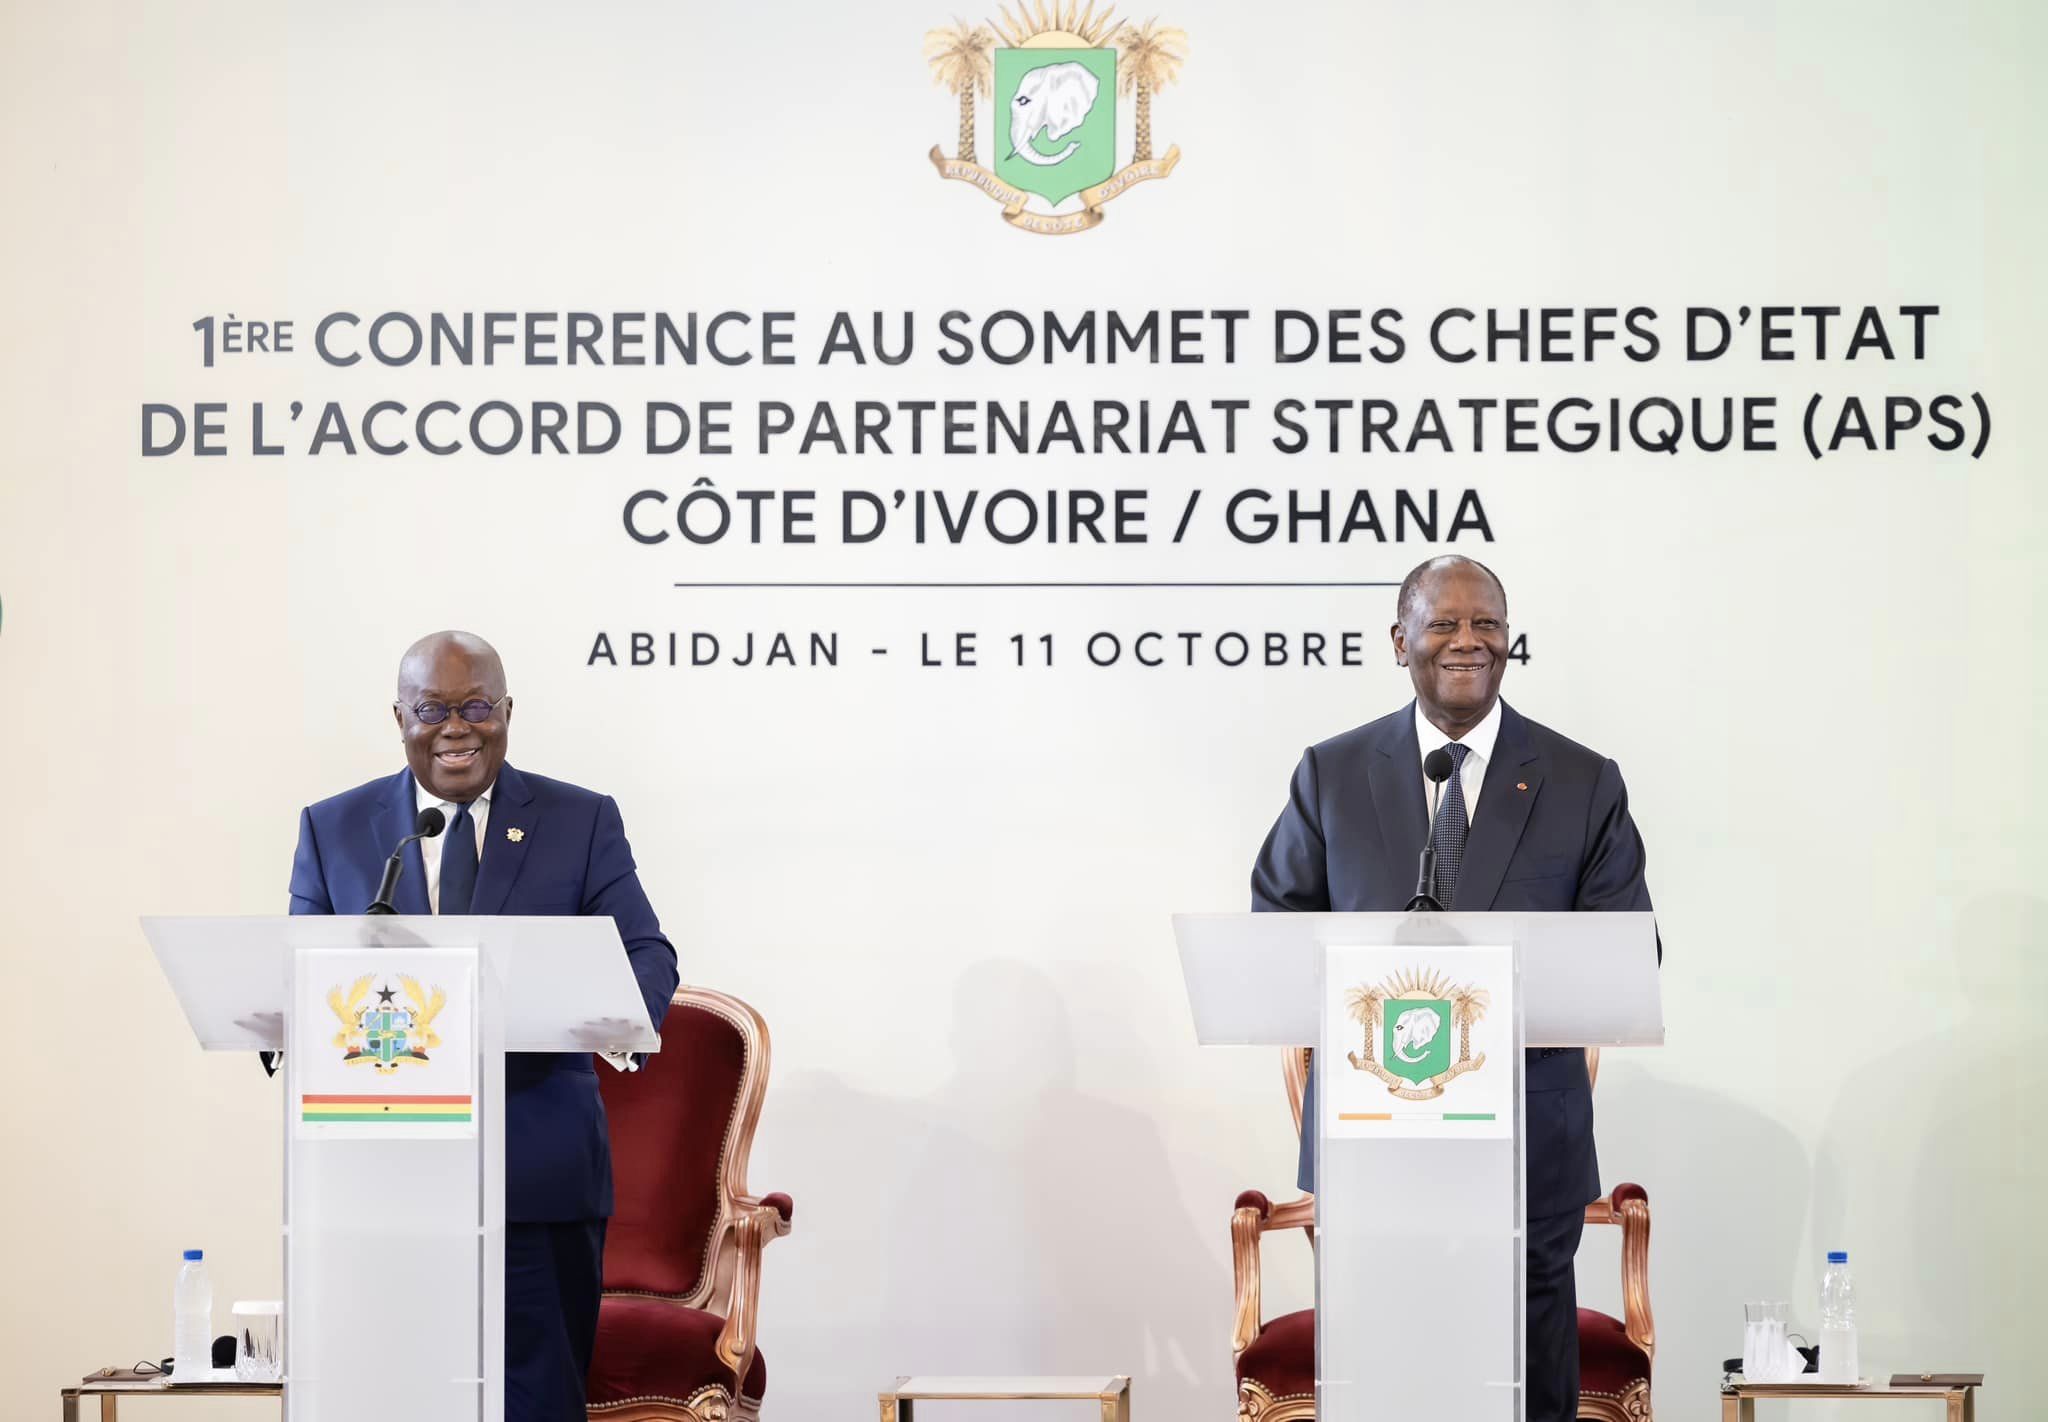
1753	1340
256	1340
1776	1362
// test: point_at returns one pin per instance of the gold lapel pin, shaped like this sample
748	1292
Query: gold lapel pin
1521	785
515	834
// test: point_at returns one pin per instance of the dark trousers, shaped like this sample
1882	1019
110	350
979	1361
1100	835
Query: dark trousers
1551	1317
554	1274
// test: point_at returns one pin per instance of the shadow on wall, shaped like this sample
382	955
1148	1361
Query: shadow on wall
1004	1223
1728	1189
1933	1164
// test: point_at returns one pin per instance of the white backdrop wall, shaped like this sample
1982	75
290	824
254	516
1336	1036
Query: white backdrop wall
948	890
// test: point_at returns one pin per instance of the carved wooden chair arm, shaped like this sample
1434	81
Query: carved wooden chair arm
1629	1207
755	1222
781	1204
1249	1221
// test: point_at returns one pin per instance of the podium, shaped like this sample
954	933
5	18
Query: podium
1419	1021
394	1031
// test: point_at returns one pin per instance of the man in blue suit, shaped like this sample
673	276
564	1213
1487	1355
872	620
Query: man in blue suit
1527	821
514	844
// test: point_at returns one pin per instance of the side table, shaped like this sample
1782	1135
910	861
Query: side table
1113	1393
1738	1403
109	1394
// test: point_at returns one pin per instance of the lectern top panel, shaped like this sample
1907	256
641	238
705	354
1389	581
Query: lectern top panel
1587	979
566	983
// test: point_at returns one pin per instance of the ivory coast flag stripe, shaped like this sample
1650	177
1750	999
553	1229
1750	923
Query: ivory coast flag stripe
314	1107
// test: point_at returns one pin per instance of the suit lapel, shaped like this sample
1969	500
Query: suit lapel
1396	777
512	809
395	816
1503	813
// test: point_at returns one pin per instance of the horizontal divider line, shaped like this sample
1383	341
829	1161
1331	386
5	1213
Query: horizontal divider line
1208	584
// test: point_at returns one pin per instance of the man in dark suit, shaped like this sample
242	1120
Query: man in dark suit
1528	820
514	844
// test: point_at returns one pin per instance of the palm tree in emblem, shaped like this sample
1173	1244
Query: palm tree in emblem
960	58
1149	58
1468	1005
1363	1005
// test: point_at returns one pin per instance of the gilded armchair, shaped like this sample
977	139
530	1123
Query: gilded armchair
1275	1360
1615	1353
682	1262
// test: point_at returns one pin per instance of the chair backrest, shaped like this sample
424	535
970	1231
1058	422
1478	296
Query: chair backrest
1294	1070
681	1129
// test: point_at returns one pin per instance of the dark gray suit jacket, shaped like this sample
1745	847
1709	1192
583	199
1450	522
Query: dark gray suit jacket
1348	842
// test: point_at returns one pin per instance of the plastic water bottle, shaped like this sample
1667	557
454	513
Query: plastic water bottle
192	1303
1838	1363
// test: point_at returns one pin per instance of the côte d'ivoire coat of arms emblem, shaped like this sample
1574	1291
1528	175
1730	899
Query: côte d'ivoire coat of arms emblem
1054	81
1409	1021
386	1034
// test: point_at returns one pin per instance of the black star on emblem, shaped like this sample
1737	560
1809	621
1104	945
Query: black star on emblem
385	994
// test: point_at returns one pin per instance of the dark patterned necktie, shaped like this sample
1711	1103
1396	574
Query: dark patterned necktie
458	863
1446	836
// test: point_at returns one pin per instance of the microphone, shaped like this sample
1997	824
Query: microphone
1436	768
430	823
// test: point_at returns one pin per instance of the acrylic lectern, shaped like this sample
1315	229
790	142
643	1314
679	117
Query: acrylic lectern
394	1031
1419	1021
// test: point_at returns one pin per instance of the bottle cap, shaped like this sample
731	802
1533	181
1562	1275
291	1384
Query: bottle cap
195	1254
1838	1256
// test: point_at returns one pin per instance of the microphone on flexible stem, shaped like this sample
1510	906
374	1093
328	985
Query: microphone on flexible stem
1436	767
430	823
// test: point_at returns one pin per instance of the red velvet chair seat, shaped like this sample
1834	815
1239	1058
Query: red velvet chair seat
1608	1362
656	1348
1282	1359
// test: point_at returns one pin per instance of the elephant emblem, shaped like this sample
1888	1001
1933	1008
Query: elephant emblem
1414	1030
1052	99
1409	1041
1054	72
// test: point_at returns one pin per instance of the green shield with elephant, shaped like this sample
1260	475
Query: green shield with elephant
1417	1044
1055	119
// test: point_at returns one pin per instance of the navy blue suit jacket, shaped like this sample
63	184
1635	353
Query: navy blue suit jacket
572	859
1353	829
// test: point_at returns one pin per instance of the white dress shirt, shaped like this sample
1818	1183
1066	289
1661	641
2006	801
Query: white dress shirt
1478	743
430	849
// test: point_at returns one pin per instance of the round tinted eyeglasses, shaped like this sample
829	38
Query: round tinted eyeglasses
433	713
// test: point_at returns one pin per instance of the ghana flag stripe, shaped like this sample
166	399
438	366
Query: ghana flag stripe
318	1107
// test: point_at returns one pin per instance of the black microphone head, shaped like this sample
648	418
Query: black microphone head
1437	765
431	821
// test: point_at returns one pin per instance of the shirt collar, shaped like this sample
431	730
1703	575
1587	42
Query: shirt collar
1479	740
423	798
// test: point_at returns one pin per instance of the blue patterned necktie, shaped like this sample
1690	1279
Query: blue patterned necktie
458	862
1447	835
